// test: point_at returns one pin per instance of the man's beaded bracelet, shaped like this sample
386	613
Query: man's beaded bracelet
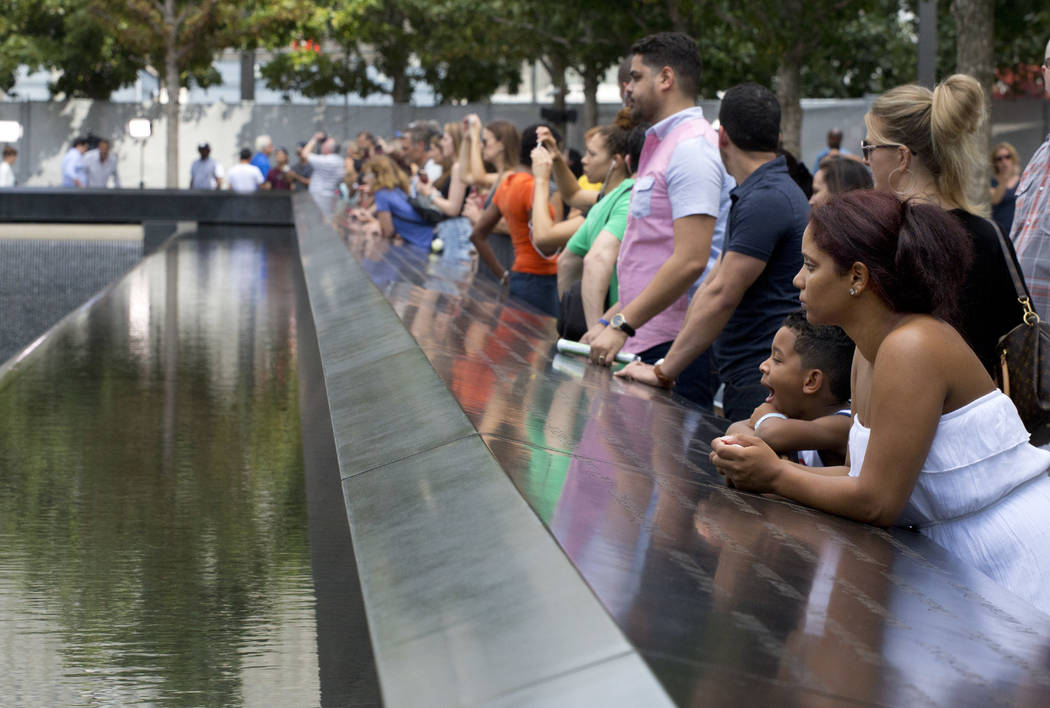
665	381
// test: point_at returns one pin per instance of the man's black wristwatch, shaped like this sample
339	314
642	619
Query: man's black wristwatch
618	322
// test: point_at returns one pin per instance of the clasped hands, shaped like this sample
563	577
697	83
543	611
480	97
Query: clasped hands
746	462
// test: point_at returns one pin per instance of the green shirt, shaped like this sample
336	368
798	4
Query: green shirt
609	214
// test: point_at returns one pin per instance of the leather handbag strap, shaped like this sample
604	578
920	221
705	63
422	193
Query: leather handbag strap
1011	264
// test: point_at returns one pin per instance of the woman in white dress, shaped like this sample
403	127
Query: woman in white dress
934	444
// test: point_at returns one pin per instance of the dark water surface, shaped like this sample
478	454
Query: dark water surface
153	521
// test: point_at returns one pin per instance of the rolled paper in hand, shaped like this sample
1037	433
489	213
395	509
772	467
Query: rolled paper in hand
567	346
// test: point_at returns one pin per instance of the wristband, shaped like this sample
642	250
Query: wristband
602	321
505	278
767	416
665	381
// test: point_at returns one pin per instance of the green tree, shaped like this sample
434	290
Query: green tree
876	50
1022	28
63	35
450	45
179	38
467	55
833	49
586	36
308	67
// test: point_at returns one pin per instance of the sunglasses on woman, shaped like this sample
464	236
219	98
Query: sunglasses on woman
867	148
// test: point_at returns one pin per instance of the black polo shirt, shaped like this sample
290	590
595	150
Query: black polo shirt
766	221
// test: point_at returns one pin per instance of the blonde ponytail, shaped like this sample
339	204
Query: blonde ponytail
940	127
958	114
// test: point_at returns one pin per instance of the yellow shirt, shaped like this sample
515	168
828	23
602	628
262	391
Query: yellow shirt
587	184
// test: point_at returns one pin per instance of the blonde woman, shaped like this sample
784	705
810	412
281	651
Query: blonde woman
1006	171
389	186
922	145
449	192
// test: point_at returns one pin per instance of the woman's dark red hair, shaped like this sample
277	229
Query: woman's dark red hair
917	254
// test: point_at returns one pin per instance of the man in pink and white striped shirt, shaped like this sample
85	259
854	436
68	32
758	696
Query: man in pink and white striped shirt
679	204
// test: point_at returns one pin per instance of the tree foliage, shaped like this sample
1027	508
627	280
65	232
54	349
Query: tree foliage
870	51
193	29
179	39
353	46
1022	28
836	48
468	55
587	36
63	35
466	49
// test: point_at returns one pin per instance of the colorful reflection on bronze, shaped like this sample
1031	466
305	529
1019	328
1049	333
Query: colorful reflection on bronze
732	598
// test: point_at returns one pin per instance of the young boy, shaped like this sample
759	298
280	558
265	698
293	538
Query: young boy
807	414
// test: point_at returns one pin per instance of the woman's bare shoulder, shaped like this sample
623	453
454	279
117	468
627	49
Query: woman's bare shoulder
921	347
928	355
923	335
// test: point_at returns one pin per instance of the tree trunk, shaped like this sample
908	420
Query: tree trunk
171	84
928	43
590	97
402	90
248	75
677	22
789	92
975	55
557	72
592	75
561	89
974	43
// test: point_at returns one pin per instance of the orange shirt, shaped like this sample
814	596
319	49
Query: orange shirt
514	199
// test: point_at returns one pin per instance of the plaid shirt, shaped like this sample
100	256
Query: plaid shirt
1031	230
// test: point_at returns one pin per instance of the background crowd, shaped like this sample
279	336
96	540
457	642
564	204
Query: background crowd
691	246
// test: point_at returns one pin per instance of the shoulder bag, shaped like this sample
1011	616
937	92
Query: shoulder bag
426	210
1024	358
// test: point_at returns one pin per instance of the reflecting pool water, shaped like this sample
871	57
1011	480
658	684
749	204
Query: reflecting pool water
153	521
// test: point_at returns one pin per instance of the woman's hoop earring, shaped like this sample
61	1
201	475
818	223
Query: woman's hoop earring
901	193
903	170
